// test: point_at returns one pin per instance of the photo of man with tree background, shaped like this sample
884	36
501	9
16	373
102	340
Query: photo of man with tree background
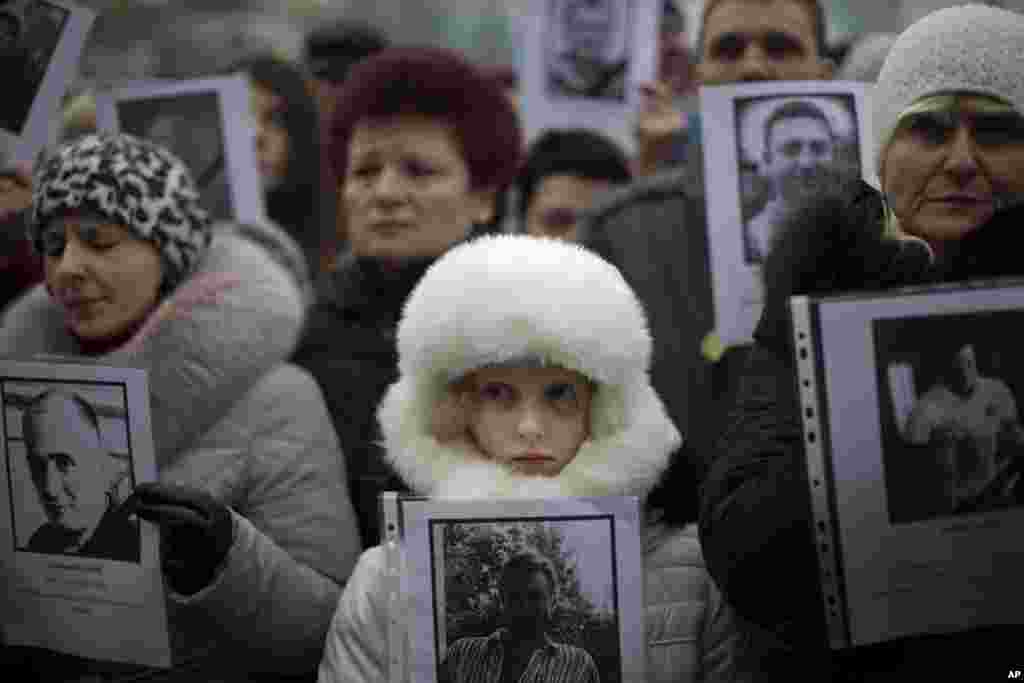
496	573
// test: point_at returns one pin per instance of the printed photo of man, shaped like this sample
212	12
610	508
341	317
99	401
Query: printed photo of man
973	424
589	48
520	649
799	151
75	477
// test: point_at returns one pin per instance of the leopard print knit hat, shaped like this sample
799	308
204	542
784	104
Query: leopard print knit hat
130	181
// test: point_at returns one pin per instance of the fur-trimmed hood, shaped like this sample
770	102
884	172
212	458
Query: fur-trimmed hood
507	297
237	316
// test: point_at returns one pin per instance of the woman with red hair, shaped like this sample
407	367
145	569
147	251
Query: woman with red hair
421	142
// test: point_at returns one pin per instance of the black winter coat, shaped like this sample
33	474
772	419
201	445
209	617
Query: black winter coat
655	233
349	347
755	517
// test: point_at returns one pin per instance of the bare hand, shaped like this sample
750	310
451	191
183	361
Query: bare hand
15	191
658	122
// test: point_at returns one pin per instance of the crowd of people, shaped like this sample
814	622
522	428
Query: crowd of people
383	331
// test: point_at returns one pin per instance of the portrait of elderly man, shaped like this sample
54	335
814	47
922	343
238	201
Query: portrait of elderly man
799	152
521	649
973	424
75	476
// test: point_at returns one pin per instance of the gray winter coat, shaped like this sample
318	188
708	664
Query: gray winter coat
230	417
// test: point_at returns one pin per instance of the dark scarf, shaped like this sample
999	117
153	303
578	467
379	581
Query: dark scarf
366	288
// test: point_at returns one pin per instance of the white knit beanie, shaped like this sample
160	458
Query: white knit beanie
969	48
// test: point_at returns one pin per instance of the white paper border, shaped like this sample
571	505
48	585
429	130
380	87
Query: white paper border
233	94
417	578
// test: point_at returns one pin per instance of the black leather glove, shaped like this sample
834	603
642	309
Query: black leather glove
196	531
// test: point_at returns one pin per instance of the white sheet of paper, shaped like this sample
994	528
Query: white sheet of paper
626	32
105	600
600	535
895	569
208	123
49	43
736	174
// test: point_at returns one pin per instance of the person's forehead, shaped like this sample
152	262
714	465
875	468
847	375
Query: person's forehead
804	127
752	18
534	577
60	427
528	377
567	188
404	130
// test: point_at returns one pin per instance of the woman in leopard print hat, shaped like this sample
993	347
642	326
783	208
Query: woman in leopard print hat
129	181
137	274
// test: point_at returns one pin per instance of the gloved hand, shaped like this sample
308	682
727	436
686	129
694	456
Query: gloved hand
196	531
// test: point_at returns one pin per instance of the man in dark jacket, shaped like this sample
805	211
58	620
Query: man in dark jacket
656	232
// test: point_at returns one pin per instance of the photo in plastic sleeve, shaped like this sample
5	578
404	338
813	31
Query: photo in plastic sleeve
588	49
788	149
70	466
40	43
189	125
950	391
500	582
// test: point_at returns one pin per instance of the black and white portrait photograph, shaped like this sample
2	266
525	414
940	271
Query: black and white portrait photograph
527	600
69	455
78	574
950	393
523	590
190	126
580	63
29	32
40	43
788	149
776	145
208	124
588	48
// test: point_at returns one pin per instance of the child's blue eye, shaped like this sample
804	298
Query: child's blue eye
562	391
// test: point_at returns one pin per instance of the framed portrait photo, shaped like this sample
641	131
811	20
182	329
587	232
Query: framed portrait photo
915	456
777	145
207	123
581	61
81	576
40	45
557	579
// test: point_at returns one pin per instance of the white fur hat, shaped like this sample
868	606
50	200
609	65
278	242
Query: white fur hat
969	48
504	298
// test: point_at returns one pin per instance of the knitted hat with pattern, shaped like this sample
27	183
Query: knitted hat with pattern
132	182
970	48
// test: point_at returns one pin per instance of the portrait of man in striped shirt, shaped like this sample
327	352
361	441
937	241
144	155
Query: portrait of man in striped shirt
520	651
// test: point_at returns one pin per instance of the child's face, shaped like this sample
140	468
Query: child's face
532	419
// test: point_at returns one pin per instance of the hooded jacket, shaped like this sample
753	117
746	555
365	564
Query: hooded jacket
230	417
755	502
573	310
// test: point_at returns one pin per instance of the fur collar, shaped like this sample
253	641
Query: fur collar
836	244
628	460
238	316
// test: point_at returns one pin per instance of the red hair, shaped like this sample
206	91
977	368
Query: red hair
439	84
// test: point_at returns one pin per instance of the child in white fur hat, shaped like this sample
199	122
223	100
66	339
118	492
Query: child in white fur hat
524	373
